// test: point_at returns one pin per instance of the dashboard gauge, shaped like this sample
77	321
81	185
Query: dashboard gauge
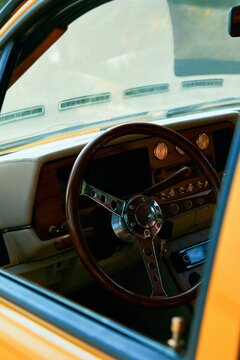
202	141
161	151
180	151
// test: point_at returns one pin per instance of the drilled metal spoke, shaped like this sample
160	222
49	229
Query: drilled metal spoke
178	176
109	202
148	253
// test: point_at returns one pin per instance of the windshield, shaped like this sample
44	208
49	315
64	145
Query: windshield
126	61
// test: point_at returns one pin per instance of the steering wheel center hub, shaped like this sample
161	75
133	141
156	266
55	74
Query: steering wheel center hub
143	216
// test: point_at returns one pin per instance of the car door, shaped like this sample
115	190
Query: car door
36	322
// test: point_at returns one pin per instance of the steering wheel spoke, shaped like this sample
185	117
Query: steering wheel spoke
178	176
149	257
109	202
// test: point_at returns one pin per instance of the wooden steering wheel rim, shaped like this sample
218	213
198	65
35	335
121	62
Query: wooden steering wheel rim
74	224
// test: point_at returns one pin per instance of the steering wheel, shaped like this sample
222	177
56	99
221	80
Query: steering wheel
139	218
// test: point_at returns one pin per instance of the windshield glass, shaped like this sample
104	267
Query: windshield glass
126	61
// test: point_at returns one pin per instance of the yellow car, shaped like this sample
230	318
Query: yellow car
119	179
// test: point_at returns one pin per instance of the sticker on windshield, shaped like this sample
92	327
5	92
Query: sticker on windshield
146	90
84	100
22	114
202	83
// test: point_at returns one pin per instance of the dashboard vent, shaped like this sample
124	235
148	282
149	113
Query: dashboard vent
202	83
146	90
22	114
84	100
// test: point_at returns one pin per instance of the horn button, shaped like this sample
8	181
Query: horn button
143	216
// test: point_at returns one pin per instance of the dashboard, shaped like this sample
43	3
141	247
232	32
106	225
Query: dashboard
131	167
34	229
